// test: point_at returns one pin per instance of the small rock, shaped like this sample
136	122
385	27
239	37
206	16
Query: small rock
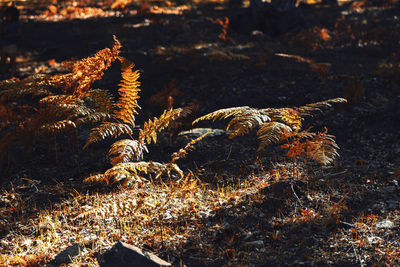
254	244
386	224
67	254
125	255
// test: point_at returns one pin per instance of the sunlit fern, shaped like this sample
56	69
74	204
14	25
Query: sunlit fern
274	123
189	147
150	128
123	152
123	173
320	147
56	103
87	71
129	93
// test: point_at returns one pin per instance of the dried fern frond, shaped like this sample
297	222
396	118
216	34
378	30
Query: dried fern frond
100	100
124	150
129	93
57	127
323	148
124	170
58	99
34	86
72	108
270	133
108	129
273	123
222	114
288	116
98	178
151	128
93	117
88	70
320	147
189	147
319	107
245	121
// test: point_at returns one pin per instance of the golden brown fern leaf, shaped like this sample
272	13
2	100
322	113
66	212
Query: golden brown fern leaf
189	147
273	123
124	150
100	100
288	116
319	107
129	93
99	177
88	70
323	148
151	128
56	127
146	167
73	108
34	86
270	133
222	114
320	147
245	121
108	129
124	172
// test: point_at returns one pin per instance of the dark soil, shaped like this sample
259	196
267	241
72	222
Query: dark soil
363	66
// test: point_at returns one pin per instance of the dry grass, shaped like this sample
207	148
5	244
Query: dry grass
155	214
164	216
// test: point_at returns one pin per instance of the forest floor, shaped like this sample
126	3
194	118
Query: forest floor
235	207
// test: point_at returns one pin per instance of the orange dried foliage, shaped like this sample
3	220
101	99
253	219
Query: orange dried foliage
169	10
224	28
315	38
337	208
324	35
358	6
52	62
320	147
146	8
306	215
88	70
72	12
52	9
120	4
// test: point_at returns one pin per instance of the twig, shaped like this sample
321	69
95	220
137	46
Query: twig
357	256
298	199
349	224
230	150
333	174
